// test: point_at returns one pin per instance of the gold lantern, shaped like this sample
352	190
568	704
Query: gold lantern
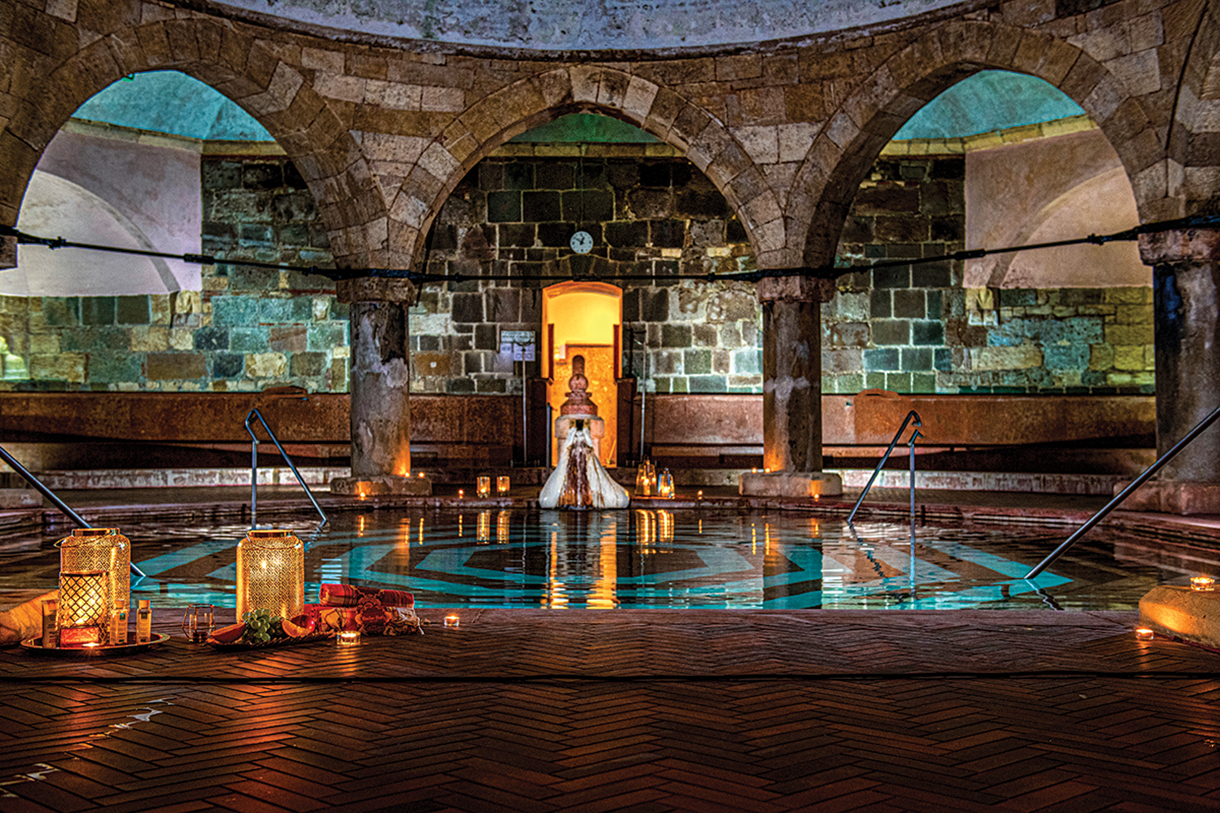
89	549
483	485
271	573
502	485
84	608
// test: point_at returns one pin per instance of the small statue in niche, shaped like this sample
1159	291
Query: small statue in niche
579	481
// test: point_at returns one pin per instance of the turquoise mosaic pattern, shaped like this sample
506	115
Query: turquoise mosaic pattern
637	559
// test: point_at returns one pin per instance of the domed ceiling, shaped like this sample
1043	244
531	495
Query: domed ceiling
592	24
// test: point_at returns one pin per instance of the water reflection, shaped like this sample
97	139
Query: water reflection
656	558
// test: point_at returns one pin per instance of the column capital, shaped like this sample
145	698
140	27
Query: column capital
1180	246
376	289
796	289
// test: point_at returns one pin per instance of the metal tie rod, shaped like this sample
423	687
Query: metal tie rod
50	495
1125	493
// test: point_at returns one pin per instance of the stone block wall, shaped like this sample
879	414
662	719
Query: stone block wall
910	329
651	215
914	329
248	328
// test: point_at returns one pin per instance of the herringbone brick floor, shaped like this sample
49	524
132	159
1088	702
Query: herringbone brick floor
632	710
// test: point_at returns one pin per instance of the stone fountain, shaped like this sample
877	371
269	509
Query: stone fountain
579	481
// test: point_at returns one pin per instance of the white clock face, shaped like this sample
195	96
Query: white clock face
581	242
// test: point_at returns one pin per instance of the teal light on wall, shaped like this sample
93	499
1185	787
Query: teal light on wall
987	101
587	128
172	102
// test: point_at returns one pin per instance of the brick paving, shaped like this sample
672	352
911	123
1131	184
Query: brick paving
635	710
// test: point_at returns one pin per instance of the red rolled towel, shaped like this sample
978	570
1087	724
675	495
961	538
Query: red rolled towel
353	595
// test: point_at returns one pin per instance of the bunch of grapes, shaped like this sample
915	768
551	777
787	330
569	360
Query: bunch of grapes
262	627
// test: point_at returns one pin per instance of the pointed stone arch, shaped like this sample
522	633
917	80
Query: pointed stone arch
239	67
850	141
540	98
1195	129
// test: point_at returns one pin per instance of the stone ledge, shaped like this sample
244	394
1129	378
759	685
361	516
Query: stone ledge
1180	497
1179	612
790	484
19	498
381	485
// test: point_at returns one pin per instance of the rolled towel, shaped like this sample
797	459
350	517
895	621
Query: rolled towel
24	621
353	595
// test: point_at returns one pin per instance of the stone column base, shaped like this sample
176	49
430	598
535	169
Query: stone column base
381	485
790	484
1182	613
1173	497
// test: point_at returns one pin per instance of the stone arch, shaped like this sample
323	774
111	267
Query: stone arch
234	64
850	141
532	101
1196	121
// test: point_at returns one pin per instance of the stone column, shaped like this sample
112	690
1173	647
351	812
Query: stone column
380	388
1186	280
792	390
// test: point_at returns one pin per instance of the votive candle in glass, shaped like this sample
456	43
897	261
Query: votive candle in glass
502	485
483	485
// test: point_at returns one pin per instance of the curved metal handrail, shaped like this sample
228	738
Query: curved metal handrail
254	441
1125	493
884	458
52	496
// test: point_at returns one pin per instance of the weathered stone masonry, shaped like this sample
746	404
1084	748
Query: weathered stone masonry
382	135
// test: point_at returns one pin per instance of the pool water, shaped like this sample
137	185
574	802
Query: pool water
653	558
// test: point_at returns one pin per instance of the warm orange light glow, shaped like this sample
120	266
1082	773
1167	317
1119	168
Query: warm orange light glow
1144	634
451	620
483	485
1203	584
699	494
585	317
348	638
420	475
502	484
461	493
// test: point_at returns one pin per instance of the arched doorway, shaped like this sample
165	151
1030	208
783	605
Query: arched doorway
585	318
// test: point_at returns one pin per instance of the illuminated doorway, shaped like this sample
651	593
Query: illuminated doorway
585	319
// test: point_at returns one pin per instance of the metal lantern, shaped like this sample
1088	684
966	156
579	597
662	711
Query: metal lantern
502	485
483	485
89	549
84	608
271	573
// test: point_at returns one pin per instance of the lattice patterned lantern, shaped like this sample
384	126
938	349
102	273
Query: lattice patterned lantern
84	608
89	549
271	573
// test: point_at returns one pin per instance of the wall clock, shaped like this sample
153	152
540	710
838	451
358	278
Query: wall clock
581	242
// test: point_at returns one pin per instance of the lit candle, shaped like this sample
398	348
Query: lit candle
1143	634
483	485
349	638
502	485
1205	584
699	494
421	475
451	620
461	493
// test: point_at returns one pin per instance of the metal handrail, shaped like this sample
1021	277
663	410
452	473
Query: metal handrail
916	435
884	458
254	441
50	495
1125	493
